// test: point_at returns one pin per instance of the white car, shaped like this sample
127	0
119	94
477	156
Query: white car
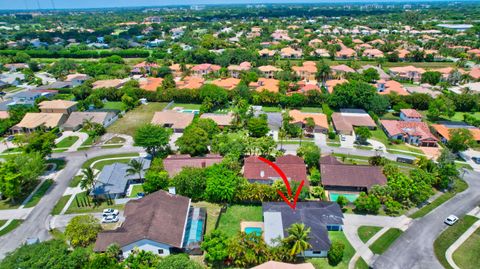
343	138
110	219
450	220
110	212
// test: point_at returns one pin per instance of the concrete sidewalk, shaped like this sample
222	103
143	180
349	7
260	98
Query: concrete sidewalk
19	213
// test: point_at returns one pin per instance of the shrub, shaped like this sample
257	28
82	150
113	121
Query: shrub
335	254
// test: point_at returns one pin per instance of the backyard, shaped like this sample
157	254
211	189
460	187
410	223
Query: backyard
135	118
213	211
230	220
186	106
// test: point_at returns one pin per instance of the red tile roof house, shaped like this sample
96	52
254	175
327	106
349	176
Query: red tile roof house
173	164
410	115
236	70
415	133
407	72
256	171
337	176
143	68
161	222
339	71
204	69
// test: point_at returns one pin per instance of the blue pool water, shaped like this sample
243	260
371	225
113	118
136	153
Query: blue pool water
249	230
191	111
350	196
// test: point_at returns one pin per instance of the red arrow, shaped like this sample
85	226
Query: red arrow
287	184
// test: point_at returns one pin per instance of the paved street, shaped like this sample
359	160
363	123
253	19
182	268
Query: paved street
414	249
36	224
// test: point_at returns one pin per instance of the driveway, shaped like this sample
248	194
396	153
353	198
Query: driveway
414	249
349	141
61	221
37	222
320	139
377	145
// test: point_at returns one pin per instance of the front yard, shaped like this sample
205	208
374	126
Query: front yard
467	255
380	136
367	232
84	203
230	220
449	236
67	142
322	263
384	241
135	118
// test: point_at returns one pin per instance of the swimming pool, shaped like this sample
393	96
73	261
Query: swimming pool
350	196
191	111
257	230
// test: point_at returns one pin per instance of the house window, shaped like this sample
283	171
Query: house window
317	252
160	251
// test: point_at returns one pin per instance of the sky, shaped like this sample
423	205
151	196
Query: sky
66	4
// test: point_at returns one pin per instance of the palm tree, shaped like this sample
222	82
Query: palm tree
88	180
298	238
323	71
135	167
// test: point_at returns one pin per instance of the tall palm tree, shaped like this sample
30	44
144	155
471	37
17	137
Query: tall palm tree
88	180
323	71
281	135
298	237
135	167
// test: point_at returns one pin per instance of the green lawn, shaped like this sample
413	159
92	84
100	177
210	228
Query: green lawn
60	204
459	116
322	263
111	146
2	222
467	255
99	165
67	142
39	193
14	224
59	162
271	109
361	264
384	241
213	211
75	181
458	186
186	106
367	232
136	189
230	220
9	204
449	236
114	105
135	118
116	140
92	160
83	203
312	109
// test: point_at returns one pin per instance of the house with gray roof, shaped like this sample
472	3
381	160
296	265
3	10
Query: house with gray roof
114	180
320	217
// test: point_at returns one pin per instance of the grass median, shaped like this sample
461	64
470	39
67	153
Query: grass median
385	241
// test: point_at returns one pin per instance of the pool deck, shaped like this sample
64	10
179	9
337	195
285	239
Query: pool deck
251	224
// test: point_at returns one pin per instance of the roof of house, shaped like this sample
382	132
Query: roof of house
268	68
293	167
342	68
202	67
474	73
219	119
411	113
444	131
330	84
344	175
78	118
320	119
406	69
71	77
113	178
268	84
226	83
412	128
282	265
108	83
151	84
346	52
160	217
190	83
55	85
57	104
173	164
177	120
315	215
345	121
392	86
34	120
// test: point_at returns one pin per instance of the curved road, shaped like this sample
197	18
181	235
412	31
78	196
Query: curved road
36	224
414	249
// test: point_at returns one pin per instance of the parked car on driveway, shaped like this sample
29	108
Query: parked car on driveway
109	212
110	219
450	220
